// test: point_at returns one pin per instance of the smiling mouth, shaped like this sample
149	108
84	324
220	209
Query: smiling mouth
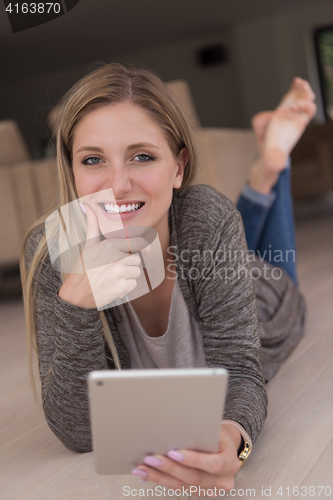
121	209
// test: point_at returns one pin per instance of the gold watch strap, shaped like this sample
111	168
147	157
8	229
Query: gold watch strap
244	454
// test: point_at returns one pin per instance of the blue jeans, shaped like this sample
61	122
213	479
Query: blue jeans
269	223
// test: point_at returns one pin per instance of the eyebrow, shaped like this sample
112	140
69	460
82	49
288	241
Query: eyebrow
90	148
132	146
142	145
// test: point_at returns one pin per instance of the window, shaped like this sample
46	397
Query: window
324	51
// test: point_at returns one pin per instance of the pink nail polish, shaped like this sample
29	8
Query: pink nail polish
153	461
138	472
83	209
176	455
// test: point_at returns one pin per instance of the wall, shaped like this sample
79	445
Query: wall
272	50
28	101
264	55
213	88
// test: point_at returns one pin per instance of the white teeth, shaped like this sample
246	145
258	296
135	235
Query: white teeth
115	209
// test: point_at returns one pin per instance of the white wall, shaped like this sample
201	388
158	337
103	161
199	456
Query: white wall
272	50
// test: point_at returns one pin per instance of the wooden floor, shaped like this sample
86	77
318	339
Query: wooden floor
294	449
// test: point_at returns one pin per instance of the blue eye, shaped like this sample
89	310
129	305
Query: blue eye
92	160
142	157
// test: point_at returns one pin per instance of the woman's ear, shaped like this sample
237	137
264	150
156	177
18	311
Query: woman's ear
182	160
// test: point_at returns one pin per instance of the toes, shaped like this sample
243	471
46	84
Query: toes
297	82
310	94
304	106
309	109
303	87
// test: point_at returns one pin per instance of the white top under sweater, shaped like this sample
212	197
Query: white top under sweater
179	347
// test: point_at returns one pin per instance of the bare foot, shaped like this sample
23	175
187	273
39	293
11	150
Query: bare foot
278	132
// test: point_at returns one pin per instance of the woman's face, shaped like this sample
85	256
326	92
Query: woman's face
119	146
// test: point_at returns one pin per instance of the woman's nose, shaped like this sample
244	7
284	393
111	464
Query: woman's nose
119	180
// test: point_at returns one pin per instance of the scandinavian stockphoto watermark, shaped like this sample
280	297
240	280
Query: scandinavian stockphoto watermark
226	264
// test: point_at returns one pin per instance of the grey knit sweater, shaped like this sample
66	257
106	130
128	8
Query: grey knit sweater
218	290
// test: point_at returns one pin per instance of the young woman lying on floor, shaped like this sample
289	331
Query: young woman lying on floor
121	128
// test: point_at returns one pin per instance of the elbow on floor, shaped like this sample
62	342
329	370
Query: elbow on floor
79	442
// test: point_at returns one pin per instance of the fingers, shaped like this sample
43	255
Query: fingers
223	463
162	478
131	284
130	260
114	280
93	232
124	277
121	269
168	472
196	468
131	268
125	245
108	252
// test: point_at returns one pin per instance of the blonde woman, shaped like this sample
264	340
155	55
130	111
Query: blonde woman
122	129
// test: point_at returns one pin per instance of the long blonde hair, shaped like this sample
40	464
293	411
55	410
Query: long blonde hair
112	83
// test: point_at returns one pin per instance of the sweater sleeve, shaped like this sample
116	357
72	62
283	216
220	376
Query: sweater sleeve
229	322
70	344
219	290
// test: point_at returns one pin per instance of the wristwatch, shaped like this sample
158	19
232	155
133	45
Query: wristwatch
244	451
245	447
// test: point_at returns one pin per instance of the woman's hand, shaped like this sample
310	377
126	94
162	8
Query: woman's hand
186	468
110	271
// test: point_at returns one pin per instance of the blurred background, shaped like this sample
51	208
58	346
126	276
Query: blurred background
224	59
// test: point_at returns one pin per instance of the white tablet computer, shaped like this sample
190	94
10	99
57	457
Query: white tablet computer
135	413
